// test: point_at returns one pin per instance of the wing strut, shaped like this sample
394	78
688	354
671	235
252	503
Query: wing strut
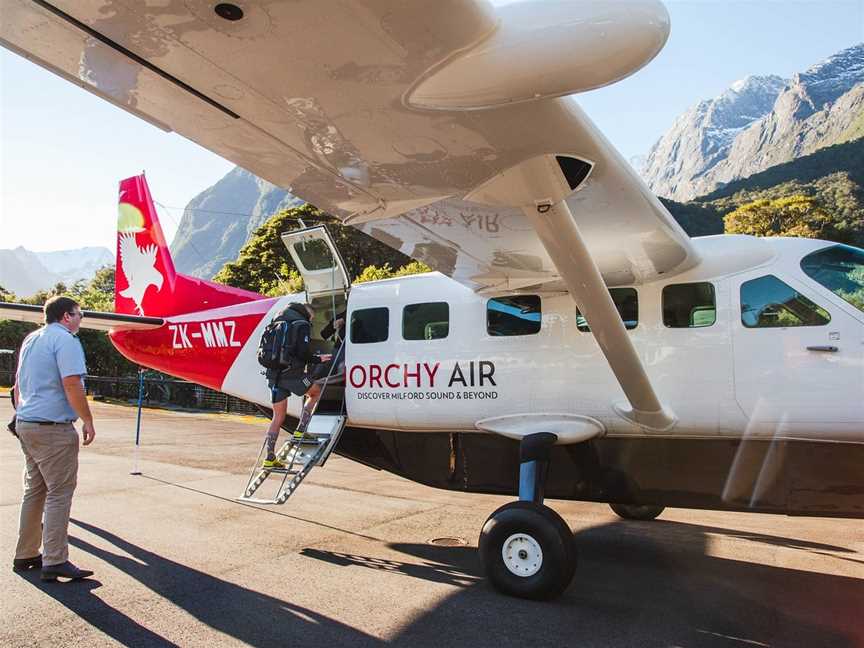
565	245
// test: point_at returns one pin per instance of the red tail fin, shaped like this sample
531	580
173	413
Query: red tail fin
146	282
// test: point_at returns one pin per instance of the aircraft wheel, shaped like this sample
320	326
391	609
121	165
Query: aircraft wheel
637	511
527	551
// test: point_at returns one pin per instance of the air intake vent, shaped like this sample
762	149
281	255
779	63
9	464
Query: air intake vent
574	170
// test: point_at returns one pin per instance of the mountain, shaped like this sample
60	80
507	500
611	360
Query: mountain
702	137
218	221
80	263
25	272
22	272
757	123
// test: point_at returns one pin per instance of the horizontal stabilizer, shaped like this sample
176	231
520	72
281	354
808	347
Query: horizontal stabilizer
92	319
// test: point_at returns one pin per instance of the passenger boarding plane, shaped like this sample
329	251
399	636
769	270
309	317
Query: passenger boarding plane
574	342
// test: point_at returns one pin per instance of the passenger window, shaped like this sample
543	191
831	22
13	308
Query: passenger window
689	305
426	321
840	269
517	315
767	302
369	325
314	255
626	301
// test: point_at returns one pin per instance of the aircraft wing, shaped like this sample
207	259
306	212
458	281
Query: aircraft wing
390	115
442	127
92	319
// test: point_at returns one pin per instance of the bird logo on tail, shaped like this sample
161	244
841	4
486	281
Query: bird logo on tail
139	267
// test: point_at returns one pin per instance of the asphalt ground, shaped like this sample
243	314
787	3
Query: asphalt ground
347	561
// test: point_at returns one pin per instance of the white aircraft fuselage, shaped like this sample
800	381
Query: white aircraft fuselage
748	402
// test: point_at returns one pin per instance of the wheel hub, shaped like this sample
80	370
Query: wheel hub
522	555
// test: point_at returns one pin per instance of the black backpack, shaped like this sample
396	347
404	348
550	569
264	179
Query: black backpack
280	344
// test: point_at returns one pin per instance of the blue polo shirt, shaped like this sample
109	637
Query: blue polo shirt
48	355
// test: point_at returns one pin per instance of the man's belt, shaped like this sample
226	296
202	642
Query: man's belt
45	422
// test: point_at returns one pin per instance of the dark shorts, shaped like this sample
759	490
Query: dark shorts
321	371
287	386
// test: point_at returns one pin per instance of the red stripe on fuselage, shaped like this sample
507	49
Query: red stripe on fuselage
200	347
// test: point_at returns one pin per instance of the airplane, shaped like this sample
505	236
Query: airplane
573	341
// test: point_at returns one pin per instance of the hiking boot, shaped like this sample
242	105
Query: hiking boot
270	464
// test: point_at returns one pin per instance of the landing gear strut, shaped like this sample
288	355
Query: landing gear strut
526	549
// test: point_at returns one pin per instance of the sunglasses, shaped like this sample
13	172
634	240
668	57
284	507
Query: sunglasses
79	314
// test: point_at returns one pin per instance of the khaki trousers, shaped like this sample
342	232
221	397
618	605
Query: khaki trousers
50	477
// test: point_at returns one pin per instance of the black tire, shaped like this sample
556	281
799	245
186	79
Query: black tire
545	528
637	511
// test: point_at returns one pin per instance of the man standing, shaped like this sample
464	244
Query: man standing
49	390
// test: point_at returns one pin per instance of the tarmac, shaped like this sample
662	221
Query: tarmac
348	560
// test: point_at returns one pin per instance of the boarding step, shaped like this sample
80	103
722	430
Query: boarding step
299	457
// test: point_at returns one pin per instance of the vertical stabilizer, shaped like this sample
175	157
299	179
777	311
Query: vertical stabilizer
146	282
145	272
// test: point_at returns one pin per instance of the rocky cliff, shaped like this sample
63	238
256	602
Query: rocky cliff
757	123
219	220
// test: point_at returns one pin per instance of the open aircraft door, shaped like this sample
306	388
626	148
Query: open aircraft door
318	262
326	280
325	277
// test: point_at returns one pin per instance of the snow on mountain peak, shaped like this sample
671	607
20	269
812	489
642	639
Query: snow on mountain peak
758	121
836	75
752	83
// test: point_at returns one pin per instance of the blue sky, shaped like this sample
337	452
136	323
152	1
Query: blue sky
61	157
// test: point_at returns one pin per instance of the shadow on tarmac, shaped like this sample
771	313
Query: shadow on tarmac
80	599
455	566
638	584
244	614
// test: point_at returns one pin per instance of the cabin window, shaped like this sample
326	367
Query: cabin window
370	325
314	255
767	302
689	305
430	321
840	269
626	301
516	315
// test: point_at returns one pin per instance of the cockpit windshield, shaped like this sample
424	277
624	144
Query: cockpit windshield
840	269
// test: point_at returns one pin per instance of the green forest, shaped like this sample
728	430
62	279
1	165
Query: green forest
830	182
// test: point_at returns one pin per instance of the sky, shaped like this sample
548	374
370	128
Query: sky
63	150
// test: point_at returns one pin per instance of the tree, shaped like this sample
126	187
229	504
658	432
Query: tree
98	293
415	267
376	273
796	215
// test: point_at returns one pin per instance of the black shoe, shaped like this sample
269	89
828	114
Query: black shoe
26	564
64	570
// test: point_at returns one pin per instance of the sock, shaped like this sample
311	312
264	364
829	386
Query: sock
305	415
271	445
